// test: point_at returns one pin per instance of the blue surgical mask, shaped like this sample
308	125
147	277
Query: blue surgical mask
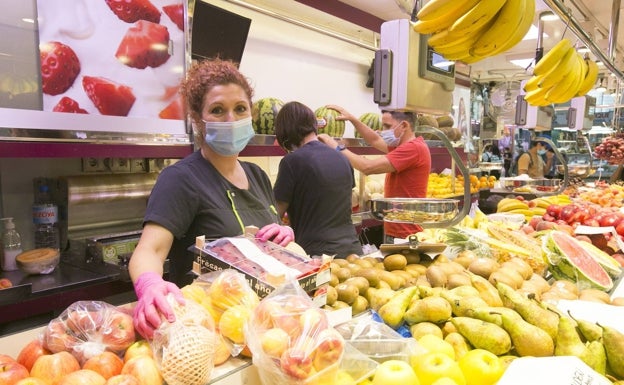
541	152
389	138
229	138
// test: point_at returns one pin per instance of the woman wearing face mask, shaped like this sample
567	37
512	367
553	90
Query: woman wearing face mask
407	162
536	161
314	185
210	192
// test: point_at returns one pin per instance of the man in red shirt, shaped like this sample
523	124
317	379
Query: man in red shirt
407	162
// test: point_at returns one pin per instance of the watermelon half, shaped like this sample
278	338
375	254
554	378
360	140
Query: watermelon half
568	259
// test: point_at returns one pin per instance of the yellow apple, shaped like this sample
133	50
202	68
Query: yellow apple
430	367
394	372
434	344
444	381
274	342
481	367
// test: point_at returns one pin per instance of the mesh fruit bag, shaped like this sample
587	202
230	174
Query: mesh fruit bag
185	348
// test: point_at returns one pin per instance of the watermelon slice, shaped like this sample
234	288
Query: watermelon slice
607	262
568	259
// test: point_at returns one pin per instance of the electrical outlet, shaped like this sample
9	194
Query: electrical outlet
92	165
138	165
120	165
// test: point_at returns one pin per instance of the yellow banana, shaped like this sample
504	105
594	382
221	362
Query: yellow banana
538	210
445	20
590	78
552	57
533	83
556	92
461	47
566	65
575	78
516	36
442	39
435	9
477	17
537	97
525	212
508	19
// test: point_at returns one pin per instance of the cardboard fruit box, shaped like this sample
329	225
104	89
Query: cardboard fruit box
266	265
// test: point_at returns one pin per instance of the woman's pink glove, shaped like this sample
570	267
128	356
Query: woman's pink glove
151	291
282	235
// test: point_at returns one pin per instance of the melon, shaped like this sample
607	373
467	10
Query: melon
372	120
263	114
328	123
445	121
427	120
568	259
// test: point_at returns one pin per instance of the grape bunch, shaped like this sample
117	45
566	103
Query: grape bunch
611	149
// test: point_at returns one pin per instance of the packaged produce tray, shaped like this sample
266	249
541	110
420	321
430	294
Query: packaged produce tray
266	265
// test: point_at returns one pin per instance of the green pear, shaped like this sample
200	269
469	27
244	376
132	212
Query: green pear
530	310
460	344
568	342
461	306
380	297
589	330
392	312
613	342
492	314
596	357
528	339
430	309
483	335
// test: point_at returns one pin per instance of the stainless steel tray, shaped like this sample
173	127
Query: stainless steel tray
414	210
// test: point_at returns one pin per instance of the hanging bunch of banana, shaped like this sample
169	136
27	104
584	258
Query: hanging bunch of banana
471	30
560	75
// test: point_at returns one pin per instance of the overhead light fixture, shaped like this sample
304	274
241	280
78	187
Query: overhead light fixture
583	50
549	16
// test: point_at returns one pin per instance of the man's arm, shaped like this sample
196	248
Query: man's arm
370	136
365	165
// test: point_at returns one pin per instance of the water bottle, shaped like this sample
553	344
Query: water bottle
12	245
45	218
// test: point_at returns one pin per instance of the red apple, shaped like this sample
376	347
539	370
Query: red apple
107	364
138	348
29	353
5	283
118	332
330	346
57	337
296	363
5	358
145	369
82	321
312	321
123	379
83	377
53	367
11	372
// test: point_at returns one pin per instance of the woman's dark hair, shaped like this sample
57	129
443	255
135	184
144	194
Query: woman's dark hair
293	123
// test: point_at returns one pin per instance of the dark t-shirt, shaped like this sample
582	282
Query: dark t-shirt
190	198
316	182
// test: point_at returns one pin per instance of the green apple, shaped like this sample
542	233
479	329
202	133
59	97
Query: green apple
434	344
394	372
430	367
481	367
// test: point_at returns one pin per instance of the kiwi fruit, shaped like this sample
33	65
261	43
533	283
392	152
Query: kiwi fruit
333	280
332	295
483	266
436	276
394	262
412	258
521	266
464	261
370	274
343	274
347	293
413	268
379	266
452	267
364	263
360	282
340	305
458	279
409	279
352	258
359	305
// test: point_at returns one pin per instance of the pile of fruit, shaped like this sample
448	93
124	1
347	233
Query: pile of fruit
532	207
611	149
560	75
472	30
441	185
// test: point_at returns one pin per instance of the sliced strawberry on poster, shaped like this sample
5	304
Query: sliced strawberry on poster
109	98
173	110
131	11
67	104
59	67
144	44
176	14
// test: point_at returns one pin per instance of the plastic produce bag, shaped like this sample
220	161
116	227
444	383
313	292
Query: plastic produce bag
291	341
185	348
87	328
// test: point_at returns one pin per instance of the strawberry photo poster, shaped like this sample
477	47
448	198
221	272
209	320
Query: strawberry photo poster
112	57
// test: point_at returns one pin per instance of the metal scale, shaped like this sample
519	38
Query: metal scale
410	76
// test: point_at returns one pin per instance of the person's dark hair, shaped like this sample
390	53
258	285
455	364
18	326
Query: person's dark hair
206	74
408	116
536	142
293	123
495	150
